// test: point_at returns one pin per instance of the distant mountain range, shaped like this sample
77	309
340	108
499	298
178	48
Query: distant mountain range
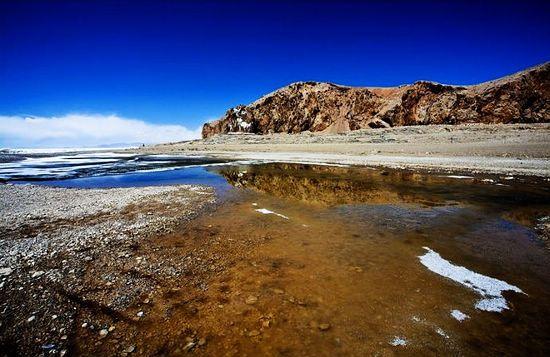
523	97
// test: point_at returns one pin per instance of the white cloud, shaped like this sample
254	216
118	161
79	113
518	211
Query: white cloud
79	130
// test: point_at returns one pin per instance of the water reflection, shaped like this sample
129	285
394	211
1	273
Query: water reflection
336	186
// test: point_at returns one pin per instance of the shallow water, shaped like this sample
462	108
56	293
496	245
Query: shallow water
333	266
339	266
349	254
56	167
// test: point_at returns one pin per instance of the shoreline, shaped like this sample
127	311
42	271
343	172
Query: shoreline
507	149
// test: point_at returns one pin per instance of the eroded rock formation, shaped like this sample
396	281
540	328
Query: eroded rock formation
312	106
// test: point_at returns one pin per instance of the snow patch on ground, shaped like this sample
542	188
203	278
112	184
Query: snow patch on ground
266	211
459	315
243	124
489	288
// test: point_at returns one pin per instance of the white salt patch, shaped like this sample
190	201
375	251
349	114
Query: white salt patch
460	177
415	319
488	180
254	204
459	315
398	341
489	288
266	211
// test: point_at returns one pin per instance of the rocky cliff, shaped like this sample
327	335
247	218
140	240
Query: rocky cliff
523	97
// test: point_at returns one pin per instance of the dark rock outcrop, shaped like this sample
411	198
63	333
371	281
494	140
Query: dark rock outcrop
523	97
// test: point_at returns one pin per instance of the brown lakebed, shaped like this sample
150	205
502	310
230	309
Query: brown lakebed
320	260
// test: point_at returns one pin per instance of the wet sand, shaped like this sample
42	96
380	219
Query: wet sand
334	270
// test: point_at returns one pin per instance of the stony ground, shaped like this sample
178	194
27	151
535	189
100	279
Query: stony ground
72	260
493	148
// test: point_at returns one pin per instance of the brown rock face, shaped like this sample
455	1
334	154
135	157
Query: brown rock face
520	98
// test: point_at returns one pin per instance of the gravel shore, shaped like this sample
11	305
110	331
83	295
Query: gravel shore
64	249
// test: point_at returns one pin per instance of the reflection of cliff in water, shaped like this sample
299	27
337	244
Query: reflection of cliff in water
337	185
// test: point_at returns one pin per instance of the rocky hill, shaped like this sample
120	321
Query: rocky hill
523	97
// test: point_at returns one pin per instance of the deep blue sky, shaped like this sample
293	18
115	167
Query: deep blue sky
185	62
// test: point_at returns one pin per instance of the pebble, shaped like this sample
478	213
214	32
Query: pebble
31	319
36	274
6	271
188	347
140	314
324	327
254	333
202	342
129	349
104	332
84	325
112	328
251	300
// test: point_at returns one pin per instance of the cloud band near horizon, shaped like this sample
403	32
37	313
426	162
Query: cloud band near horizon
81	130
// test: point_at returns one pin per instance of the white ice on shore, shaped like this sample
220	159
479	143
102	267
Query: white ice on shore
266	211
459	315
489	288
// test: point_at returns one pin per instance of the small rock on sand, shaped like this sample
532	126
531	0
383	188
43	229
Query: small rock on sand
129	349
251	300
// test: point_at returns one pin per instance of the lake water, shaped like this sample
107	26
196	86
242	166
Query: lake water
354	261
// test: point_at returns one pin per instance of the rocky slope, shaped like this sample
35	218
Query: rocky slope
324	107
